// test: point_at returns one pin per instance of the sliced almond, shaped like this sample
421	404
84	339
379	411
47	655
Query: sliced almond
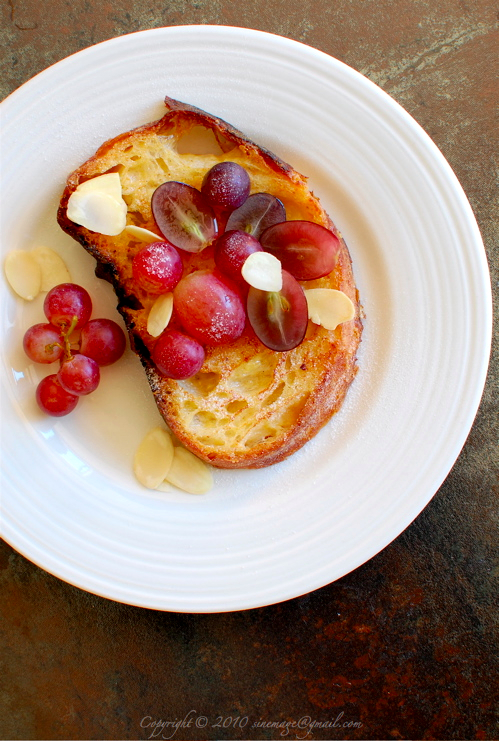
23	274
263	270
109	183
97	211
329	307
153	458
189	473
53	267
160	314
143	235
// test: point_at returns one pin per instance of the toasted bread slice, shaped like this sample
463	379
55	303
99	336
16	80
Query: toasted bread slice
248	406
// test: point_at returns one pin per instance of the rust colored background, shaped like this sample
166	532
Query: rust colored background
402	648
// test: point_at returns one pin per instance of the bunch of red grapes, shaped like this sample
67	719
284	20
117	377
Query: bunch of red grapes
68	308
212	305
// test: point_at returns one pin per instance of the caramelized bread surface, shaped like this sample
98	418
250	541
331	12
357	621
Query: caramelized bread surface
249	406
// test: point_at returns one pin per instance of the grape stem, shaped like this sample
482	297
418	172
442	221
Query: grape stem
66	335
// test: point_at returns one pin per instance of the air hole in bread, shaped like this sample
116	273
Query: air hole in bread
205	420
199	140
262	432
276	393
290	415
236	406
163	165
203	383
254	375
117	168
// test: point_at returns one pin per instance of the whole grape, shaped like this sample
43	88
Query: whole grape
68	303
102	340
79	375
226	185
43	343
157	267
53	399
231	251
177	356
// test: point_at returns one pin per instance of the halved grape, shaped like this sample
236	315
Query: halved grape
279	319
68	303
43	343
79	375
231	251
53	399
306	250
177	356
226	185
258	212
184	216
102	340
209	307
157	267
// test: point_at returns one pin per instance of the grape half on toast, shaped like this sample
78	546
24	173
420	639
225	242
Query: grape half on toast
249	406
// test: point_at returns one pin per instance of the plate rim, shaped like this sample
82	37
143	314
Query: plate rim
471	222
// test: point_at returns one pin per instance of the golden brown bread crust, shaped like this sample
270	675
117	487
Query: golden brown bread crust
249	406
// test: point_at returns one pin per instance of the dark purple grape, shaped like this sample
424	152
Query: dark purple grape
226	185
305	249
231	251
258	212
184	216
279	319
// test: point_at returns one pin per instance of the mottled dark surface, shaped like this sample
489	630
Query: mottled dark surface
405	646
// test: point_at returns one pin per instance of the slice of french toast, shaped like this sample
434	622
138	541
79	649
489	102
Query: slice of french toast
248	406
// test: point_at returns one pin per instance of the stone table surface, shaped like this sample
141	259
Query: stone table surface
405	646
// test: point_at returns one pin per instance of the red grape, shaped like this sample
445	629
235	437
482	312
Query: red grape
66	303
226	185
53	399
177	356
258	212
43	343
157	267
231	251
79	375
305	249
184	216
102	340
209	307
279	319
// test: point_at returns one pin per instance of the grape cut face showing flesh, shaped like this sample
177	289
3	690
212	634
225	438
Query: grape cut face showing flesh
258	212
279	319
305	249
209	307
184	216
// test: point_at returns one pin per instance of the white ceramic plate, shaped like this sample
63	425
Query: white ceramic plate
69	499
